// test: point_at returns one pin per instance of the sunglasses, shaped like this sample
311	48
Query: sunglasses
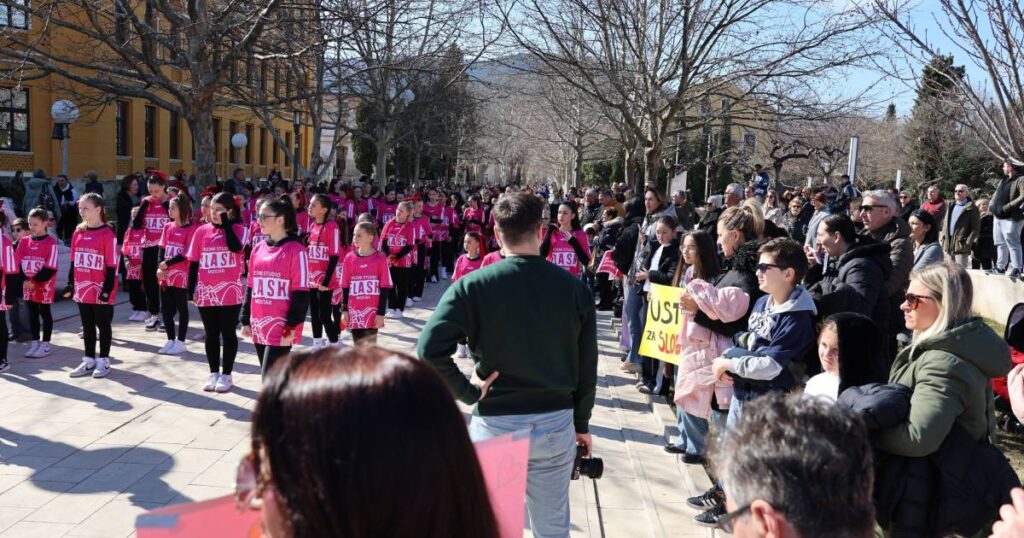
249	485
868	208
914	300
727	522
764	267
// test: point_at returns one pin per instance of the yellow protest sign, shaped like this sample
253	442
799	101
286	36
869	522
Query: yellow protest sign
660	339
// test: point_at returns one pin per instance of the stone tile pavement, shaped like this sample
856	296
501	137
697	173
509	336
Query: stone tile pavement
83	457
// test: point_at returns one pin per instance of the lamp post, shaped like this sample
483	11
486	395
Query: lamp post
239	141
64	113
296	121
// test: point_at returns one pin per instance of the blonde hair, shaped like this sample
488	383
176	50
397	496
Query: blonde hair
757	212
950	285
743	219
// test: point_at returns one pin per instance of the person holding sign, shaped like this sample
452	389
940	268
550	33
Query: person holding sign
566	245
658	267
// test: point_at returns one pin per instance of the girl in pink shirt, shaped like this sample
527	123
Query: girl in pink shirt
365	283
214	281
37	257
173	272
92	283
151	218
450	246
277	288
423	246
324	250
132	251
301	216
566	245
474	217
471	260
434	210
8	265
387	208
397	242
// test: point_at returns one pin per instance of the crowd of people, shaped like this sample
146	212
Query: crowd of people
858	301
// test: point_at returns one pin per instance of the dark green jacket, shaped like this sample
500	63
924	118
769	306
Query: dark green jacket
951	376
533	323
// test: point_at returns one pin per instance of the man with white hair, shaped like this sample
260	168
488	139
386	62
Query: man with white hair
591	209
878	211
961	227
734	194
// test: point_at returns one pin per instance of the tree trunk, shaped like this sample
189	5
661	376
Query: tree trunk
380	170
416	166
578	172
652	165
200	122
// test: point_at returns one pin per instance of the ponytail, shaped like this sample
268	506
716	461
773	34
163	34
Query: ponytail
97	201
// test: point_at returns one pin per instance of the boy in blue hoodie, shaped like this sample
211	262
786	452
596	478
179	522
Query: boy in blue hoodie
780	329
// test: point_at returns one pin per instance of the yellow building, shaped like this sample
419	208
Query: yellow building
130	135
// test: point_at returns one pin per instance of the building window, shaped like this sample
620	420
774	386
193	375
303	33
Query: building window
749	143
14	119
216	139
121	128
288	144
13	16
175	135
248	144
263	146
150	132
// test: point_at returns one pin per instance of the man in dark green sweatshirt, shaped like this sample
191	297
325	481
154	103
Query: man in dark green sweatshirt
532	332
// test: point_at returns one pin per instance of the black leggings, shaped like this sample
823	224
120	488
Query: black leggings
135	295
323	315
269	354
364	336
175	300
435	258
400	278
35	312
96	317
419	272
5	338
448	250
220	323
149	281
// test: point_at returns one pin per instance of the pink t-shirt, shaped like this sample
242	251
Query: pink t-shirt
33	255
274	273
132	250
175	241
220	270
563	255
324	242
386	212
348	207
302	221
364	276
492	258
255	235
473	214
92	252
363	205
10	267
452	215
438	230
399	235
464	266
336	296
153	222
422	229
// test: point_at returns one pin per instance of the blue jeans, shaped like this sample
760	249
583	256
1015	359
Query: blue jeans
636	312
1006	236
552	451
693	431
735	412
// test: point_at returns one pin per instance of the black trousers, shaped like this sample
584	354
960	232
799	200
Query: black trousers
435	259
96	318
220	322
135	295
5	337
322	312
364	336
269	354
37	311
448	250
175	300
68	221
983	263
149	282
419	272
605	290
400	291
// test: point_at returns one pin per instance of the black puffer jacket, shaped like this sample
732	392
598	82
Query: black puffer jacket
666	269
855	282
738	271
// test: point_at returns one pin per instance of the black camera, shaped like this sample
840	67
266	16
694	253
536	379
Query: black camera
590	467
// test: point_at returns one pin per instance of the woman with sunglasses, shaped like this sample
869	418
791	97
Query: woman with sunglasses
277	288
771	208
319	469
324	250
949	365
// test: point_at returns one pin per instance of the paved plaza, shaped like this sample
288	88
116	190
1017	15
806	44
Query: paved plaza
84	457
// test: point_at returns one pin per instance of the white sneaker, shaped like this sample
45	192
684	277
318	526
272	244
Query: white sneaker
86	368
102	368
152	322
223	384
398	314
42	351
33	348
138	315
417	299
444	273
212	382
408	302
390	314
462	352
167	346
175	347
433	279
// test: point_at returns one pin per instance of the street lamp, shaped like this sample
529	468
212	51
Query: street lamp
296	121
64	113
239	141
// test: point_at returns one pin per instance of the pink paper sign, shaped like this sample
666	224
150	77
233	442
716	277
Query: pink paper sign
503	461
215	517
607	265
